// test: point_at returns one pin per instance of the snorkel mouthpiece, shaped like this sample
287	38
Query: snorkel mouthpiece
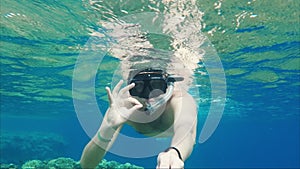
150	109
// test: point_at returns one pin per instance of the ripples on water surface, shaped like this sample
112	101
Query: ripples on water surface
257	41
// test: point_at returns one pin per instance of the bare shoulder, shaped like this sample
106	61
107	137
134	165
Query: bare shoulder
184	106
182	98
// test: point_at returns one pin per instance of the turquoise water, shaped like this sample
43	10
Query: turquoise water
258	43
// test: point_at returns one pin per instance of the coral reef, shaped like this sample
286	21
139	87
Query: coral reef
61	163
67	163
34	164
113	164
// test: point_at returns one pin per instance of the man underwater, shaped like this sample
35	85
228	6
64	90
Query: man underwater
162	108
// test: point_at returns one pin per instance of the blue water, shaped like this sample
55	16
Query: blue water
261	122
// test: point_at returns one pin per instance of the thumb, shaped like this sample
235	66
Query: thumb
135	107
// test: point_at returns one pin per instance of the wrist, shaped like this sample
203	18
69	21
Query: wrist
102	139
104	136
106	132
175	151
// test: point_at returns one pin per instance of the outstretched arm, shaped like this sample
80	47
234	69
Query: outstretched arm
121	107
185	125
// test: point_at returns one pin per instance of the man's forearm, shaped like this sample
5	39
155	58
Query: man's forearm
184	141
92	155
185	124
95	150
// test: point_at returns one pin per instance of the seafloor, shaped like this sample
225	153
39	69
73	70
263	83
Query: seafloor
66	163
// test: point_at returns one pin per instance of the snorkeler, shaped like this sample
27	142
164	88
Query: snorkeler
153	96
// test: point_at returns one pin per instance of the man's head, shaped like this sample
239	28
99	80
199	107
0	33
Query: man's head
153	87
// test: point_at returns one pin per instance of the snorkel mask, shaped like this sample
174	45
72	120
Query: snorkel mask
151	83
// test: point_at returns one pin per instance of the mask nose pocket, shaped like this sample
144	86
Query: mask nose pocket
155	93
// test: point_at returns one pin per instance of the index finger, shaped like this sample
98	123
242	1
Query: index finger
117	88
127	88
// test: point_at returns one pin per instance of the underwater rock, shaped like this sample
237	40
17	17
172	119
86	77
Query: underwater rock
68	163
24	146
8	166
